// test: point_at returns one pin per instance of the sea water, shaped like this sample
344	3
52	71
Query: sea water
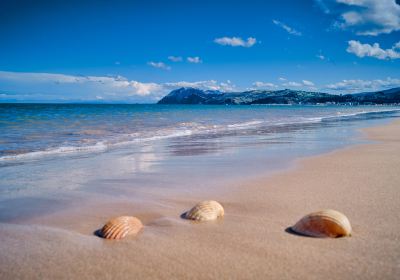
78	150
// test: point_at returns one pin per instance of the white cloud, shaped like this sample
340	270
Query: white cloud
264	85
288	29
144	88
194	59
205	85
363	50
320	56
175	58
282	79
40	77
308	83
363	85
56	87
61	87
304	83
236	41
365	17
292	84
20	86
160	65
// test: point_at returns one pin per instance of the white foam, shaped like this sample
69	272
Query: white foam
245	124
181	131
98	147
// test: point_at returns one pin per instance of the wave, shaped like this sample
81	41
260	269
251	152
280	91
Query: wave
183	129
98	147
245	124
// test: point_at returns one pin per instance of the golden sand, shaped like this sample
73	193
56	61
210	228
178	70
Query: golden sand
252	241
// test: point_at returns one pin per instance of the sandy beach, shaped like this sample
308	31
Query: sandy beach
252	241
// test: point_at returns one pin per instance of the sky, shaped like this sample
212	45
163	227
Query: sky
138	51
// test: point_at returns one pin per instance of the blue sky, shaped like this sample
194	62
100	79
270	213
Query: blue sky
137	51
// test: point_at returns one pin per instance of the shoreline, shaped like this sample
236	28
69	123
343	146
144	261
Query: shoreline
252	241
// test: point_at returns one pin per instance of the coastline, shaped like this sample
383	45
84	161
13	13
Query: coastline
250	242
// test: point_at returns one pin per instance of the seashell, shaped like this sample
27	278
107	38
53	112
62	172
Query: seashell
205	211
120	227
325	223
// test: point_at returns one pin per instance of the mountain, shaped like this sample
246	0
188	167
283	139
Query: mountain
389	96
189	95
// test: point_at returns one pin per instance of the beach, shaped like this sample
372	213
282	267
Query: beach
200	140
252	241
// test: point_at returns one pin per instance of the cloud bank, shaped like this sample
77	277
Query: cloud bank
364	85
303	83
20	86
261	85
49	87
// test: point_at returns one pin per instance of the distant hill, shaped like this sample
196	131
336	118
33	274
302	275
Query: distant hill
189	95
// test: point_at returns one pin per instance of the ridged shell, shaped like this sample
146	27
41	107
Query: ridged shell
325	223
205	211
121	227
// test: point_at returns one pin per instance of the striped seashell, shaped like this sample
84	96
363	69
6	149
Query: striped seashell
121	227
325	223
205	211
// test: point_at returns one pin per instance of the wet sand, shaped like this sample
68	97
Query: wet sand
251	242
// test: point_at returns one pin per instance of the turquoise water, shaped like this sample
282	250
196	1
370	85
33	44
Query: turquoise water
57	155
40	130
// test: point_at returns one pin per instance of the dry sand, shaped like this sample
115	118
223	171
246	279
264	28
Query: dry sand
251	242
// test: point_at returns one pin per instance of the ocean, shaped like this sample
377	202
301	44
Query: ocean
42	130
69	152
